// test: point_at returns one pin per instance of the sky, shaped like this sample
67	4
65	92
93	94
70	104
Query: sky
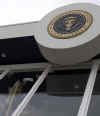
20	11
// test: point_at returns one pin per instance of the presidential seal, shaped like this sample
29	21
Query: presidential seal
70	24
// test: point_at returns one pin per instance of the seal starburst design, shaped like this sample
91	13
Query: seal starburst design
70	24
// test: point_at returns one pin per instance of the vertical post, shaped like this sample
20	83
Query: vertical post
83	110
28	97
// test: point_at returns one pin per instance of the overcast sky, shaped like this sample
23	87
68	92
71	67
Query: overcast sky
18	11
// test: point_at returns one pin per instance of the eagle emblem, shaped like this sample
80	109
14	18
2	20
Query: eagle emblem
70	24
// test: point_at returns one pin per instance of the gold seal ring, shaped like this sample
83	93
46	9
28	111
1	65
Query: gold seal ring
70	24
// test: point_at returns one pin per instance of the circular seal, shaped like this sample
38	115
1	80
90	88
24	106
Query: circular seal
70	24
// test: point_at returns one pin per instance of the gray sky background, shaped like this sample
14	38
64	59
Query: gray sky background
18	11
